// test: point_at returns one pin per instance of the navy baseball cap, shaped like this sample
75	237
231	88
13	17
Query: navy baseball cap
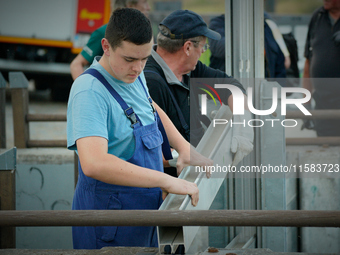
185	24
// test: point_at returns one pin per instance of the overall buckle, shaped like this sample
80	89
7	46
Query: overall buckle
131	116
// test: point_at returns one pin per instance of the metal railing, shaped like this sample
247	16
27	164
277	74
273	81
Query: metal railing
22	118
269	218
316	115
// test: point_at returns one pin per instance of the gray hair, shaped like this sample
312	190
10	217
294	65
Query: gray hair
174	45
124	3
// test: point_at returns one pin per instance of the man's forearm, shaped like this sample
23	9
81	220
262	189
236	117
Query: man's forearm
77	66
176	140
100	165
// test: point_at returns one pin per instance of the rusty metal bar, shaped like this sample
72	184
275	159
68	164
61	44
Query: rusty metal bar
46	117
270	218
316	114
7	195
46	143
2	112
19	84
327	140
7	202
20	109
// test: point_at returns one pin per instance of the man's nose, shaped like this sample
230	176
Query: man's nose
138	66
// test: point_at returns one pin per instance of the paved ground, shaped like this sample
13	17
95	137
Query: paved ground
146	251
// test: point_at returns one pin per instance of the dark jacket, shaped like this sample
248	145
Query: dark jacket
159	92
321	49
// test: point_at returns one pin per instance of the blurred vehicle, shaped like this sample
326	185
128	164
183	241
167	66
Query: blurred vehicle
41	38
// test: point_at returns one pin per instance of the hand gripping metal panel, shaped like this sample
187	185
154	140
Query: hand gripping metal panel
215	145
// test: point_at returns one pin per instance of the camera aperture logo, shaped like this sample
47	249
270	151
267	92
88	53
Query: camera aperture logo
239	104
204	97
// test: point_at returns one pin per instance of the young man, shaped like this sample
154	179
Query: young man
112	124
93	47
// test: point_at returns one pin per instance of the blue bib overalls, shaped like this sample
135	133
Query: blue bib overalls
91	194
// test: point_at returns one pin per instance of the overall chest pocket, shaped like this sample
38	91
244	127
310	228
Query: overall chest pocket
152	143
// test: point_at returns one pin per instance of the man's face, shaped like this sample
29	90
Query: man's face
127	61
331	4
142	6
196	53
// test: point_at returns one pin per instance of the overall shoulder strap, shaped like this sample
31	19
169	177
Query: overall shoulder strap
147	94
166	145
130	114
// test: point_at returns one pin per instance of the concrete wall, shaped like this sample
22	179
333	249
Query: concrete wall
318	191
44	181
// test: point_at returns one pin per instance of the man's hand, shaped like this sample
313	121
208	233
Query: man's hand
181	187
243	136
308	124
173	161
336	38
189	158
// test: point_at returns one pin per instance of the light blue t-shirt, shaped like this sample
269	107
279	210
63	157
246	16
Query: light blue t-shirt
93	111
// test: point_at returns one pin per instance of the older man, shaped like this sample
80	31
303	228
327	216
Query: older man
173	62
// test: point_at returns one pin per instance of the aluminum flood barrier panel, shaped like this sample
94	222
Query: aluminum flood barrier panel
215	144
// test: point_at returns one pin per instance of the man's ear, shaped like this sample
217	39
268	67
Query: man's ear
187	47
106	46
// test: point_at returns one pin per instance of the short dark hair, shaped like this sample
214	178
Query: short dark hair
128	24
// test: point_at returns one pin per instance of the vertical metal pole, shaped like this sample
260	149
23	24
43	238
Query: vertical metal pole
19	84
228	38
259	75
2	112
7	195
229	45
244	61
273	185
258	28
